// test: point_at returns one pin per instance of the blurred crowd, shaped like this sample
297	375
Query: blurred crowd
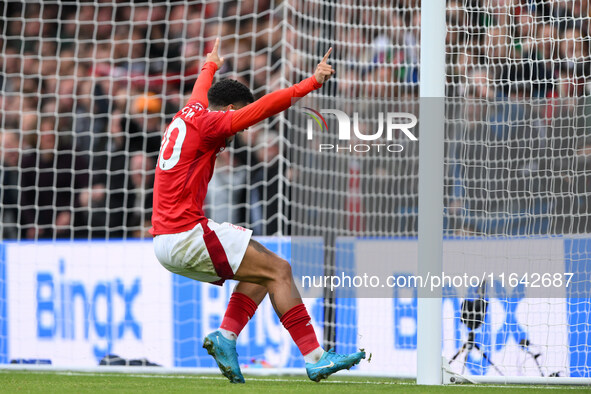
87	88
518	139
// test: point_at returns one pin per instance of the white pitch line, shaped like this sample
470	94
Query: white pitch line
205	377
459	386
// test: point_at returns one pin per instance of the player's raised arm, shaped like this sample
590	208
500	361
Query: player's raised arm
212	63
278	101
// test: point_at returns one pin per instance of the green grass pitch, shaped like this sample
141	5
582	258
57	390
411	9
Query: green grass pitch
73	382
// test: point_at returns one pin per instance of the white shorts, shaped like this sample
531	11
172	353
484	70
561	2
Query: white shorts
211	252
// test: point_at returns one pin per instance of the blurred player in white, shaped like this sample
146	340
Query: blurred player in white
189	244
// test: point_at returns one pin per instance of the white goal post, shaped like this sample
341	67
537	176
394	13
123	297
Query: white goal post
430	242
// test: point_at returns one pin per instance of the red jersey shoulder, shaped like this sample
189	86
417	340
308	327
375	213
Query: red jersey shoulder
194	109
189	111
214	126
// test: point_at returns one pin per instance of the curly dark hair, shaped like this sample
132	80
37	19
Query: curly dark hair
229	91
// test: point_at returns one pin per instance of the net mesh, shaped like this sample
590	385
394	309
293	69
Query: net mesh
87	90
517	114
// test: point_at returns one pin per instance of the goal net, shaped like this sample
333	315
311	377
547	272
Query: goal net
517	185
89	86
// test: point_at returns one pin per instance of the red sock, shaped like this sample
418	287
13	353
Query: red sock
240	309
298	323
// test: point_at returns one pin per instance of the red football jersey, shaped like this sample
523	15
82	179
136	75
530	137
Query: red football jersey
191	143
185	166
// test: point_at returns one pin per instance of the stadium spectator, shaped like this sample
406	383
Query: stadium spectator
129	50
147	112
544	55
9	174
225	201
111	197
266	177
51	180
88	123
576	66
582	183
141	172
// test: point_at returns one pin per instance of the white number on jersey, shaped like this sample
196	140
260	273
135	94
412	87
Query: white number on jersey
179	127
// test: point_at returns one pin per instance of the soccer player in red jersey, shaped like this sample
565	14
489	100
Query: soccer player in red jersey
189	244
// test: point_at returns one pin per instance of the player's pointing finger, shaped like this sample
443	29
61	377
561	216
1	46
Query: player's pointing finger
325	58
216	45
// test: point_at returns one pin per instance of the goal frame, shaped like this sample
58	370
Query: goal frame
430	363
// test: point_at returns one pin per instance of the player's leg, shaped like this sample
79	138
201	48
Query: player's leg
265	268
262	267
242	306
221	344
188	254
255	292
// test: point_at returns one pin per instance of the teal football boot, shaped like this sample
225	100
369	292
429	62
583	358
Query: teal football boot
224	352
331	362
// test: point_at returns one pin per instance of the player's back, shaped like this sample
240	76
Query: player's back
185	166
